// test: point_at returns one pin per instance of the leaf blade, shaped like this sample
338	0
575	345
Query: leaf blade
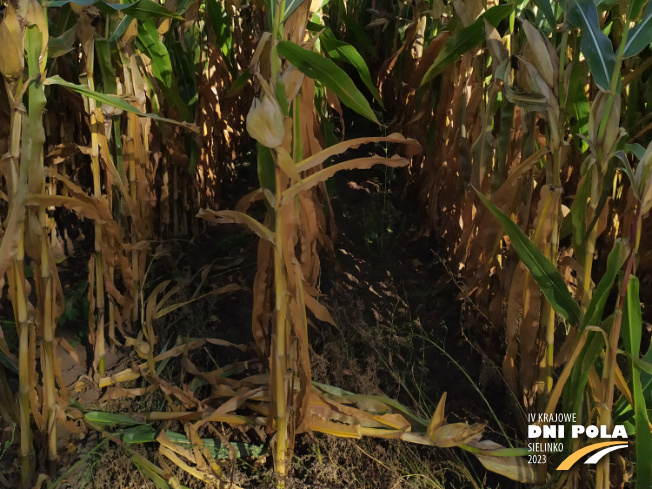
615	261
542	270
114	101
595	45
640	35
466	39
329	74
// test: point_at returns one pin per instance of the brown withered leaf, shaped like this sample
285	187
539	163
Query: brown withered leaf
456	434
438	418
227	216
326	173
339	148
513	321
122	393
539	52
340	430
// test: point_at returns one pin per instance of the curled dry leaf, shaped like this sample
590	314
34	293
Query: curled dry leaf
326	173
456	434
495	44
539	53
220	217
412	148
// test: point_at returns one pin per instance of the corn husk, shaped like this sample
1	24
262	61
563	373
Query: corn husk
12	54
35	16
265	122
612	129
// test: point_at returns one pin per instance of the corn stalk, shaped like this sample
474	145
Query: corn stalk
290	159
22	233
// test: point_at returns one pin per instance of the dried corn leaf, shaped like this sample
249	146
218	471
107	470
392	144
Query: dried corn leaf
438	418
226	216
456	434
515	468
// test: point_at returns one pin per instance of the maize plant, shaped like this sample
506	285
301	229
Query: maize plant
527	109
126	121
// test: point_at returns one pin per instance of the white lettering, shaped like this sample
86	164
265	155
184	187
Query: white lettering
533	431
619	432
550	431
577	430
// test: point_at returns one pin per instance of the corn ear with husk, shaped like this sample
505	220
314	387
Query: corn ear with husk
12	54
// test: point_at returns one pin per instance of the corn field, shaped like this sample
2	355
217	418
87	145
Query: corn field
521	137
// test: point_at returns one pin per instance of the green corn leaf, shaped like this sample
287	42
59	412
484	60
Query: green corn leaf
238	84
632	318
642	364
546	7
31	158
139	434
578	217
631	332
112	100
184	69
219	22
542	270
110	419
574	390
281	97
615	261
63	44
103	56
371	403
328	74
146	10
635	8
216	448
140	9
149	42
595	45
465	40
637	150
640	35
266	173
183	5
643	435
646	378
362	39
120	29
345	52
66	20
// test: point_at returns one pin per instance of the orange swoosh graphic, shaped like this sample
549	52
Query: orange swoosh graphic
574	457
